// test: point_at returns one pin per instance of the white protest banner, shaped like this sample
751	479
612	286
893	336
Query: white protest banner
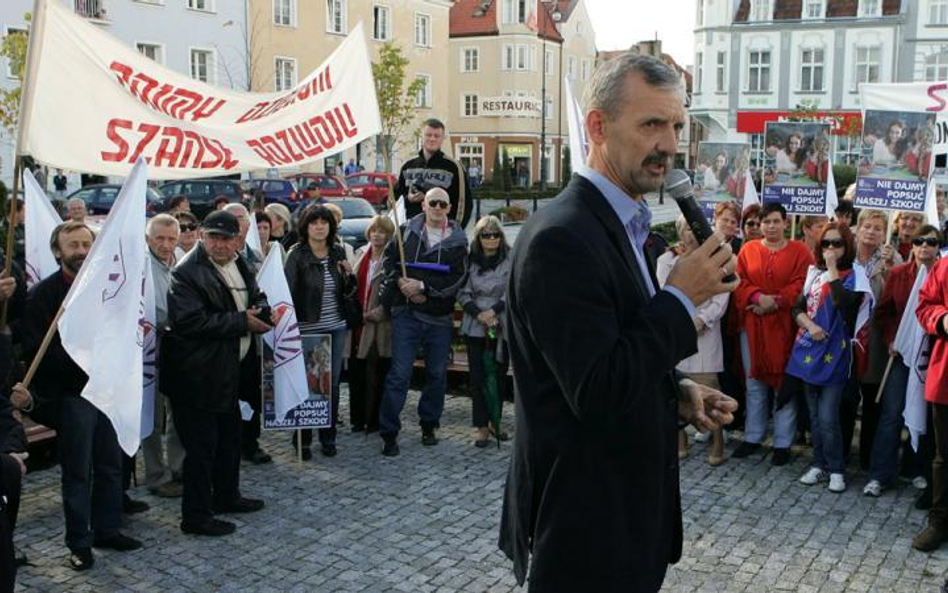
928	97
578	143
149	325
132	106
101	327
41	219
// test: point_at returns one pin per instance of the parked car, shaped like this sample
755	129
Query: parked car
330	186
280	191
357	215
372	187
202	192
100	197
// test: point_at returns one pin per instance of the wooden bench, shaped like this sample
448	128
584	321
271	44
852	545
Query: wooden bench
37	434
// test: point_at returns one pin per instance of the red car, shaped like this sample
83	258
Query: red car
372	187
330	186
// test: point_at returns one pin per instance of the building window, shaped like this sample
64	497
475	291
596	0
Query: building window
205	5
517	57
548	107
585	64
422	30
515	11
202	63
938	12
284	12
700	18
151	51
548	64
423	98
381	23
13	31
936	66
470	59
811	73
758	72
846	149
470	106
757	151
699	68
867	65
814	9
284	74
471	155
761	10
870	8
336	16
721	71
571	67
523	58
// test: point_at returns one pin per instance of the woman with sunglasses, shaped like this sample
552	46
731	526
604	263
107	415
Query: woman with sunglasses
187	239
826	314
884	462
750	223
482	298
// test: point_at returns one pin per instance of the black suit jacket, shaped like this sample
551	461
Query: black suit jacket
592	489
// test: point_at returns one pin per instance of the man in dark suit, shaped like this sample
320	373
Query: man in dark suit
592	492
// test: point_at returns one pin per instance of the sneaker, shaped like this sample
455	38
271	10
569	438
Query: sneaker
119	542
81	559
929	539
745	449
920	483
428	437
814	475
702	437
240	505
172	489
837	483
211	528
390	448
873	489
780	457
131	507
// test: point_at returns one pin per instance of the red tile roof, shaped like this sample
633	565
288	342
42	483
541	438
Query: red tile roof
469	18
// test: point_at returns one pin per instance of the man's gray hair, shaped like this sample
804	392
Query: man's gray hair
605	90
238	210
75	201
162	220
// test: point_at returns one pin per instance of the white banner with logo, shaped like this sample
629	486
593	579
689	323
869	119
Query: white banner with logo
94	104
929	97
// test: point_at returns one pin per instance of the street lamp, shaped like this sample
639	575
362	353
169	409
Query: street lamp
556	16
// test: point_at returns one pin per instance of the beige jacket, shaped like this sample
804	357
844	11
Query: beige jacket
378	333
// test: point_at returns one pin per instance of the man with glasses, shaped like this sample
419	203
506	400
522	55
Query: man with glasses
421	304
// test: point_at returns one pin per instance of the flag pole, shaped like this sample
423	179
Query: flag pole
398	234
885	376
44	346
11	231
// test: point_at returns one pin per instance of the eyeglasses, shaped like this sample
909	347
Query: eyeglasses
185	228
490	235
930	241
836	243
438	204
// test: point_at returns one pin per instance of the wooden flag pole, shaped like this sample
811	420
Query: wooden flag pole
398	235
299	447
793	227
44	346
11	231
885	377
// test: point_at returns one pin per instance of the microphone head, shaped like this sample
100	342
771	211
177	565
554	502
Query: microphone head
678	184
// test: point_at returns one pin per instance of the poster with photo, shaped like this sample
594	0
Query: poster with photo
895	162
720	174
796	165
316	411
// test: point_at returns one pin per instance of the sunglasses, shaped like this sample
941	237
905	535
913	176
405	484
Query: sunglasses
438	204
490	235
930	241
837	243
185	228
752	223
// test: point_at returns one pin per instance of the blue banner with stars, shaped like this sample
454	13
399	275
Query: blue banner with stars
824	362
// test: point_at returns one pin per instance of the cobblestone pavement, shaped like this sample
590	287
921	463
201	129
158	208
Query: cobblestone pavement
427	521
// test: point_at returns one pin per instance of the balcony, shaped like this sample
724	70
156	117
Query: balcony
91	9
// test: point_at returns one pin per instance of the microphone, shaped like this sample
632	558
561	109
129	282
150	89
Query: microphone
678	186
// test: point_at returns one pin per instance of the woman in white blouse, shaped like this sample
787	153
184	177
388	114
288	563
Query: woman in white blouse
703	367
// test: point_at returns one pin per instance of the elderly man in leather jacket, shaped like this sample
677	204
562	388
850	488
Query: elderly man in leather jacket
212	316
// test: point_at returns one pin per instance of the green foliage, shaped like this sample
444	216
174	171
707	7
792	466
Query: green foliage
396	101
508	173
497	174
13	48
843	175
667	230
567	166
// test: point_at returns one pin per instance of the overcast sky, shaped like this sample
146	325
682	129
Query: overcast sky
621	23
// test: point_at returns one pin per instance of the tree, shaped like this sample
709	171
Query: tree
567	166
497	174
13	48
396	101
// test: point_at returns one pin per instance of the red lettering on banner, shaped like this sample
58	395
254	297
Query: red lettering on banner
320	83
307	139
932	90
167	146
252	114
177	102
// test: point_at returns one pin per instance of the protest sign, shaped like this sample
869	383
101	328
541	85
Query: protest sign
796	163
895	161
918	97
721	174
133	106
316	411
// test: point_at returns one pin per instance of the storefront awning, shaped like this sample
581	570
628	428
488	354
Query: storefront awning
841	122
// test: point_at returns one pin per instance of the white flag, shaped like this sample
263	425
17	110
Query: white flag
832	199
578	145
253	234
750	193
289	369
931	204
910	342
149	355
41	219
101	325
397	215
